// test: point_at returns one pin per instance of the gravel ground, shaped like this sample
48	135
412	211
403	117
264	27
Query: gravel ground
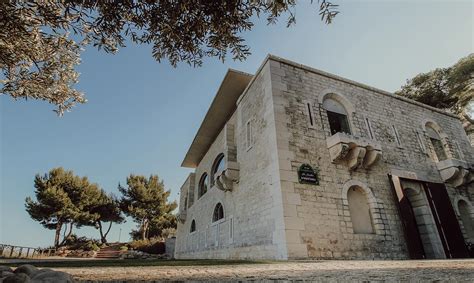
302	271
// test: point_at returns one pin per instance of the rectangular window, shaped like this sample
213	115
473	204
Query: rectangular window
420	141
460	154
310	118
369	128
310	115
397	137
338	123
249	134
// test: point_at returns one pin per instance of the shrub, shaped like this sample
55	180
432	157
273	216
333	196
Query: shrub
81	243
151	246
124	248
90	246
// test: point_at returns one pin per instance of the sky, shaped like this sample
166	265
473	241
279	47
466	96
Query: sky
141	115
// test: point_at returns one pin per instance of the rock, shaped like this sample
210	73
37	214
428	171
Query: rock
4	274
40	271
27	269
52	276
5	268
17	278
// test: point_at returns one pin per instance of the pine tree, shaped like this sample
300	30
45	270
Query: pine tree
146	201
100	209
54	206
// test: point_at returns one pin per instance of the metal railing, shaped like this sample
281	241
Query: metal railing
11	251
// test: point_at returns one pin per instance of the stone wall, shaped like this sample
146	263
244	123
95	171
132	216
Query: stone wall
317	218
269	214
253	224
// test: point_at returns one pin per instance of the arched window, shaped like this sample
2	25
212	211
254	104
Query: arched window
360	211
337	116
218	212
193	227
218	165
203	183
466	218
436	142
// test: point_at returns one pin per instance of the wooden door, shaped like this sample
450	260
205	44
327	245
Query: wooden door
410	227
446	221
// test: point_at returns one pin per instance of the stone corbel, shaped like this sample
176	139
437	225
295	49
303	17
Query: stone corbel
356	152
455	172
372	156
355	157
226	178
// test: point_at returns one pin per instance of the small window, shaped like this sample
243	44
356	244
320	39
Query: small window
218	166
438	147
337	117
249	134
397	137
310	115
420	142
231	228
460	154
193	227
218	213
203	183
369	128
338	123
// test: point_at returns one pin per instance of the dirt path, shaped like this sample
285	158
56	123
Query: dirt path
390	271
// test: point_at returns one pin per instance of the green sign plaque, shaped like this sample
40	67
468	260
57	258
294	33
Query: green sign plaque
307	175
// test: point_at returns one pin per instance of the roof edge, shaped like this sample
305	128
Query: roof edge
342	79
229	71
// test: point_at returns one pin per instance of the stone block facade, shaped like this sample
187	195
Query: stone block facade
355	137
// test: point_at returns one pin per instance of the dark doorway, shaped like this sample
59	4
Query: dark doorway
412	234
446	221
410	227
443	214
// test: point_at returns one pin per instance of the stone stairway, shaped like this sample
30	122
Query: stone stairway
112	251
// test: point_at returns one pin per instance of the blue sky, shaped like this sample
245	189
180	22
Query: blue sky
141	115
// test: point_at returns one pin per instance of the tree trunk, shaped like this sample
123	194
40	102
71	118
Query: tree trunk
103	236
106	233
68	234
144	228
58	233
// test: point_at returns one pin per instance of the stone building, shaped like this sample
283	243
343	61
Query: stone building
294	162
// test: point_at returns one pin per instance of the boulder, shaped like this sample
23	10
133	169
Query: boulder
17	278
52	276
27	269
4	274
5	268
40	271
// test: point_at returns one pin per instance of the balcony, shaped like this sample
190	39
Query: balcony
455	172
356	152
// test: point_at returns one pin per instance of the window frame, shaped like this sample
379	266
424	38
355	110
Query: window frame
310	114
193	225
341	119
202	181
370	130
396	136
249	135
219	207
215	166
